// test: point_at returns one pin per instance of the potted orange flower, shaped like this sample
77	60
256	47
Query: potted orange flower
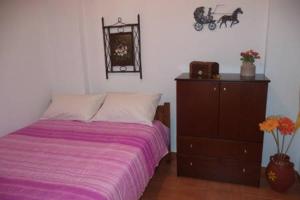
280	171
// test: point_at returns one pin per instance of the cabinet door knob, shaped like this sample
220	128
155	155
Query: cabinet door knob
191	163
215	89
224	88
245	151
244	170
191	146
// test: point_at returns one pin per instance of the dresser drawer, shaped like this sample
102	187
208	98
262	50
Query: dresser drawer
220	148
219	169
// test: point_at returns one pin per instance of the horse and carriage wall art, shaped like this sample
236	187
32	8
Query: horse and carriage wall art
202	19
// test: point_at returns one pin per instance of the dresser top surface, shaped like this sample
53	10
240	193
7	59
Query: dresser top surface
225	77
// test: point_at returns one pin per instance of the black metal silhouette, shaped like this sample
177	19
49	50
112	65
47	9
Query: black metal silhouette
201	19
233	18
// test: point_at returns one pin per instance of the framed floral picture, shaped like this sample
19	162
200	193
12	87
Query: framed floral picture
121	48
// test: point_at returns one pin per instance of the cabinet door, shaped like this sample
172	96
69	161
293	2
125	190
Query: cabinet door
197	108
242	108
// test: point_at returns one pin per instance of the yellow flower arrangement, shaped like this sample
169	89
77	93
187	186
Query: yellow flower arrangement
283	125
270	124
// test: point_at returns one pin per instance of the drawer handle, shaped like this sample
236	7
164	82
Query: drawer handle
244	170
245	151
191	163
191	146
215	88
224	88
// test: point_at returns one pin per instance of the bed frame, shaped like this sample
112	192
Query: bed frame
163	114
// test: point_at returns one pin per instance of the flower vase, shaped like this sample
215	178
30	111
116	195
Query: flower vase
248	69
280	172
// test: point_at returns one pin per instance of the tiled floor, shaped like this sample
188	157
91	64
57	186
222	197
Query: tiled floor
166	185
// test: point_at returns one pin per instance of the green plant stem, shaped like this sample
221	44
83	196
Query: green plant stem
290	143
276	141
282	145
277	136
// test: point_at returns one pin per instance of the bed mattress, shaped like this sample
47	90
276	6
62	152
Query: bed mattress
62	160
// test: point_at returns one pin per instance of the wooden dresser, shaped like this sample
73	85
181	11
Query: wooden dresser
218	137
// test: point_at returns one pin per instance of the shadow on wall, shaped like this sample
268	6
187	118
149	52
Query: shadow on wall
298	133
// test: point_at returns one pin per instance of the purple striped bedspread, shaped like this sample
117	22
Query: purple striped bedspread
69	160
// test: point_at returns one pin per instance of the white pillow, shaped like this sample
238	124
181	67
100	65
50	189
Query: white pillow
74	107
128	107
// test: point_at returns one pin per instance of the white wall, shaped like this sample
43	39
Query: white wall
24	86
170	43
66	69
283	53
56	47
40	53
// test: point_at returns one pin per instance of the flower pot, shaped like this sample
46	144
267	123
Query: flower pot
248	69
280	172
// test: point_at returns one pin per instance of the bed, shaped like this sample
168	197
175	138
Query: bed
62	160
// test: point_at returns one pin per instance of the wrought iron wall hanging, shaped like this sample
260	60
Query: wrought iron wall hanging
122	47
202	19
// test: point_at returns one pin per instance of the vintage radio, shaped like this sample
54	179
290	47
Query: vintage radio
199	69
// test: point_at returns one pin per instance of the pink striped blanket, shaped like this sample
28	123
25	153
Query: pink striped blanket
69	160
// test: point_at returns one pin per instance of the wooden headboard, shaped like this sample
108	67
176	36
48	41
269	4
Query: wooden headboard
163	114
